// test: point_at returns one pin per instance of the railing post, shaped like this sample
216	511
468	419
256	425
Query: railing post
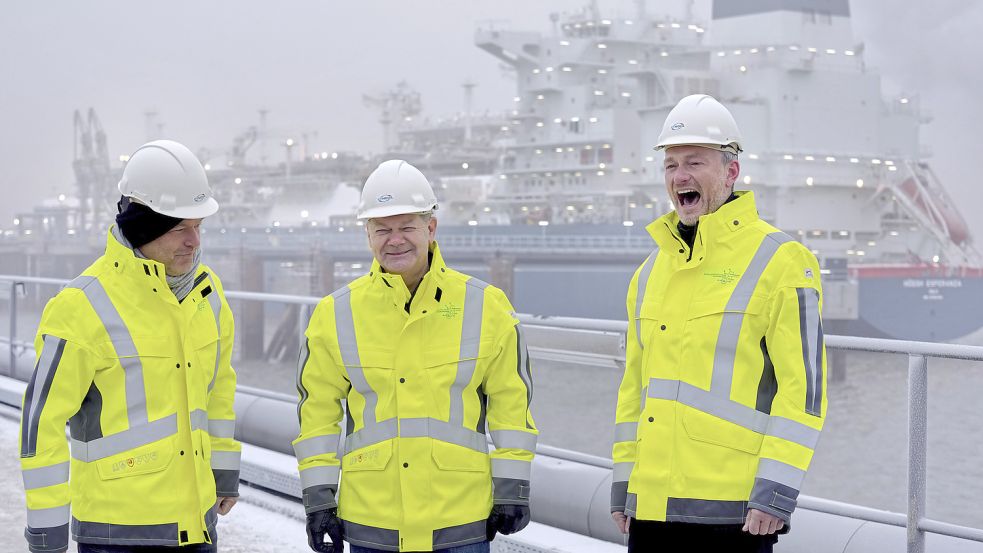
11	369
917	449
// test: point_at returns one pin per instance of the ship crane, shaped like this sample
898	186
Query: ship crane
241	145
394	106
91	165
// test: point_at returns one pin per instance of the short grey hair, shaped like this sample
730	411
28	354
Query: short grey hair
728	156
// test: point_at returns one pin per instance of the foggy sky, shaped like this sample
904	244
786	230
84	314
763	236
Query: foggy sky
207	67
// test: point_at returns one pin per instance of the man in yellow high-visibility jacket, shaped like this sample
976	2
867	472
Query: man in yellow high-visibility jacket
424	357
135	355
724	391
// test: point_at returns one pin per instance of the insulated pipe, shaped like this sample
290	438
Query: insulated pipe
574	494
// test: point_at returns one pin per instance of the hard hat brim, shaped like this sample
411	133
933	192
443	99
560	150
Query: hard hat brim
205	209
700	141
390	210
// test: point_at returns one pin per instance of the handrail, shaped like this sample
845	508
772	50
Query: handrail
917	352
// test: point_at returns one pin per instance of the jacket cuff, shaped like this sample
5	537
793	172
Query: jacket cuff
619	496
47	540
319	498
226	482
510	491
773	498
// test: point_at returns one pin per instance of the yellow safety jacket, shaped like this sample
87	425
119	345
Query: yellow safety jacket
147	387
421	375
724	391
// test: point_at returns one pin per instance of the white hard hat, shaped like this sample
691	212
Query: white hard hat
395	188
166	177
700	120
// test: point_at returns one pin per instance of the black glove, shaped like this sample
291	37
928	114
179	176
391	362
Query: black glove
507	519
324	522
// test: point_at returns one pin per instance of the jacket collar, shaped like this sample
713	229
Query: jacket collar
397	286
731	217
122	260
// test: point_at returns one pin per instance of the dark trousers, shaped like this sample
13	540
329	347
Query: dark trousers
194	548
649	536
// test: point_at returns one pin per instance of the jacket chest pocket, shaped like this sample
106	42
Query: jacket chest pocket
719	323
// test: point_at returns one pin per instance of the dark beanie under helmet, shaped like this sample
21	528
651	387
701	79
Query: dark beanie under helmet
140	224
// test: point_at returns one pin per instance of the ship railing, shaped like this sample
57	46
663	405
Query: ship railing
915	520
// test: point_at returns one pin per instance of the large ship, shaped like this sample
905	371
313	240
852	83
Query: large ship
570	168
832	161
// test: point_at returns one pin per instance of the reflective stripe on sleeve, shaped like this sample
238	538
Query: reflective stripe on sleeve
37	391
43	477
320	476
226	460
515	439
622	471
511	468
316	445
48	518
222	428
625	432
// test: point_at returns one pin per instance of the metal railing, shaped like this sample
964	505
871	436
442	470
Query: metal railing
916	521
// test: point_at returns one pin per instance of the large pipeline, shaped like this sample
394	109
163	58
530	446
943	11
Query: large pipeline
570	490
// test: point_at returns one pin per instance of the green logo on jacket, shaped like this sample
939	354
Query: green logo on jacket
724	277
449	310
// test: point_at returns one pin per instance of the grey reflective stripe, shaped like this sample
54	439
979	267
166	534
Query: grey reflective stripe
728	336
226	482
347	343
43	477
48	518
705	511
474	299
225	460
199	420
784	474
443	431
305	354
690	395
456	536
510	491
126	440
36	394
136	394
631	504
125	534
370	435
370	536
320	497
523	365
793	431
222	428
811	331
316	445
511	468
619	495
216	303
515	439
622	471
625	432
773	497
320	476
643	279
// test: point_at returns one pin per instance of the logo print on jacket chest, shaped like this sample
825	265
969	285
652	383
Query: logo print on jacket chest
724	277
449	310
